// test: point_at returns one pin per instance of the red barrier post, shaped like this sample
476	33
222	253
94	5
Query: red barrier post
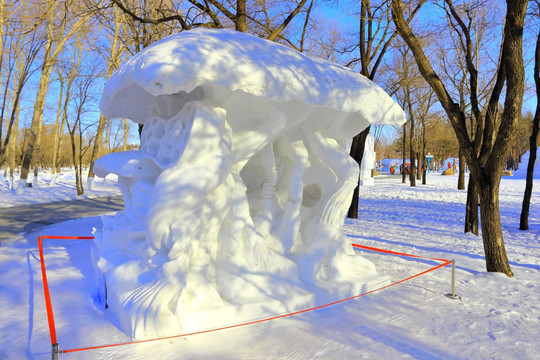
48	305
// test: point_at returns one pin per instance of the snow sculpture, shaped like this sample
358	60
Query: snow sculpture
234	205
368	162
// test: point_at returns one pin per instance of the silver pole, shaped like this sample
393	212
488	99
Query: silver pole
54	352
453	294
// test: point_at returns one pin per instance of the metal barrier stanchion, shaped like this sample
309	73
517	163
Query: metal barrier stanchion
452	294
54	351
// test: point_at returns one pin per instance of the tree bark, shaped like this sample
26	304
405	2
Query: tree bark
494	249
241	18
412	148
461	170
424	155
471	211
58	131
404	154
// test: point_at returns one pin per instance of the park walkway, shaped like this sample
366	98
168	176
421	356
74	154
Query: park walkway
25	218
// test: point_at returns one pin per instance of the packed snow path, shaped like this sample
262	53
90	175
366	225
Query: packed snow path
25	218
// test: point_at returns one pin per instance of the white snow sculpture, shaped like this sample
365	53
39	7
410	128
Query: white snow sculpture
368	162
234	205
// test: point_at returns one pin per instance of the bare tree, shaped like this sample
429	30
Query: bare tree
267	21
472	28
22	53
114	55
416	98
487	165
82	78
374	39
58	31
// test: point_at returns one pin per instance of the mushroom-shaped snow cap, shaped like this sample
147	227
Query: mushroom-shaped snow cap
232	61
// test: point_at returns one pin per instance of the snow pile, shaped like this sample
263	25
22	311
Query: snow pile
235	202
50	188
522	168
368	162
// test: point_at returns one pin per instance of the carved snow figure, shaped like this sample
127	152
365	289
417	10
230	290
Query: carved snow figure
234	205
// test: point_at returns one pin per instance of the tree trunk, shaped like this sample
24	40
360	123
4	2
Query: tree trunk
126	130
404	154
12	148
32	135
357	153
471	208
241	18
37	151
58	131
74	159
412	154
494	250
524	219
419	167
424	156
95	151
461	173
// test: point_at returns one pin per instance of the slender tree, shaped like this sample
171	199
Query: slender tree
374	39
404	155
524	218
59	133
114	55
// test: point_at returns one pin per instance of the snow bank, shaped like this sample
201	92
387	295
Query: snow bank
522	168
236	201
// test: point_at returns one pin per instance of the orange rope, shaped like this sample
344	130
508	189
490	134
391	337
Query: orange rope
255	321
48	305
69	237
51	316
394	252
445	262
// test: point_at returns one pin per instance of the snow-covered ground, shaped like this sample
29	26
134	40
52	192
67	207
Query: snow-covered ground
62	188
495	317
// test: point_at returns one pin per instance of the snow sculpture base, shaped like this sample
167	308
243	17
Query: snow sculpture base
167	323
234	205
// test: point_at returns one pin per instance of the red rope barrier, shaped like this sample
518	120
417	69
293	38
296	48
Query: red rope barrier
256	321
394	252
48	305
68	237
51	317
